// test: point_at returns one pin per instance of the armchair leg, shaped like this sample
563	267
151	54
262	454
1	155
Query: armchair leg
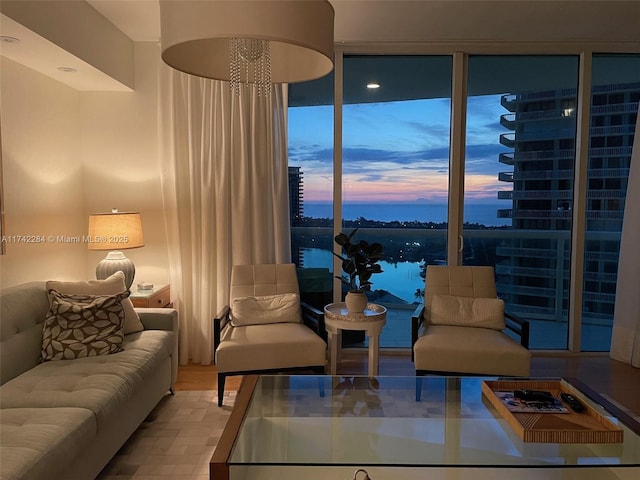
418	387
221	378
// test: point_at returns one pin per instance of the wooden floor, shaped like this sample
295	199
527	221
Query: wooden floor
619	381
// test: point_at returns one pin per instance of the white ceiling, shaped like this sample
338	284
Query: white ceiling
366	21
415	20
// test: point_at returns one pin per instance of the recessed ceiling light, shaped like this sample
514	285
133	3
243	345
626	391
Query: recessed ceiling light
373	85
67	69
8	39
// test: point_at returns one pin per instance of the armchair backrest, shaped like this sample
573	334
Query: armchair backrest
263	279
461	281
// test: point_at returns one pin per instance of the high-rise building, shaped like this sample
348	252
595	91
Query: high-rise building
296	210
533	269
296	194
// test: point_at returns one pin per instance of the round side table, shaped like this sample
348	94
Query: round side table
371	321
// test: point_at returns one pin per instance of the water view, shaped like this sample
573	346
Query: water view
401	279
484	214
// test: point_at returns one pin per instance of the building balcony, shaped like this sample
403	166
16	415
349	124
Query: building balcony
542	195
616	87
505	176
512	120
517	252
511	101
606	194
506	158
612	130
541	292
512	139
603	256
541	214
599	297
614	109
542	175
604	215
512	271
610	152
601	277
543	155
505	212
508	120
508	139
608	173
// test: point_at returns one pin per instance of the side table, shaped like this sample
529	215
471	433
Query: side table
157	297
371	320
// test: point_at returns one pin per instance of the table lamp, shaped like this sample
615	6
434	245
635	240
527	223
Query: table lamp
115	231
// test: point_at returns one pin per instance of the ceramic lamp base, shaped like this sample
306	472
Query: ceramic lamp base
114	262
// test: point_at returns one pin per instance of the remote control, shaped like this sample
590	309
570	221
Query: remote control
534	396
572	401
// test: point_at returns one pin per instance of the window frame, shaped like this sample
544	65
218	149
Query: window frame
460	53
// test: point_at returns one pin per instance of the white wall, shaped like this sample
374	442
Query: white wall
121	162
67	154
42	176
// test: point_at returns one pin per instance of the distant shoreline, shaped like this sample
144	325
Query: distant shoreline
416	213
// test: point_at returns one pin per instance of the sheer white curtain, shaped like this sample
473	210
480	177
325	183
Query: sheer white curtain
625	339
225	181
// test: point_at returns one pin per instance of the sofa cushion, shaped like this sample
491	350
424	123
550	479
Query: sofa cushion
101	384
467	311
22	311
444	348
265	309
109	286
274	346
39	443
79	326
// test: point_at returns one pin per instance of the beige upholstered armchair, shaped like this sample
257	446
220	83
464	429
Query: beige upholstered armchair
266	328
461	329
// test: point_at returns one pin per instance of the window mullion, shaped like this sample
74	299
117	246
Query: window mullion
456	158
579	202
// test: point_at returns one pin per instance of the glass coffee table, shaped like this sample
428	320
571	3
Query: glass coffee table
329	427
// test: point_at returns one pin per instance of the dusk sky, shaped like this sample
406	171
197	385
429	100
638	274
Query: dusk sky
397	151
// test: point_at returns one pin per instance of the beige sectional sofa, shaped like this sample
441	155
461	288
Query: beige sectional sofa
65	419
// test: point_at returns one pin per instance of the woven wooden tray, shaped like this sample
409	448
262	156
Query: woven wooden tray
588	426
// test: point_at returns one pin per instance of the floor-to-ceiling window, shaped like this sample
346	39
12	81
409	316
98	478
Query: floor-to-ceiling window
310	133
614	100
395	156
519	168
519	160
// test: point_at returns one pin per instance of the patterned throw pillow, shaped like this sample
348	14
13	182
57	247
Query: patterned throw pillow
78	326
109	286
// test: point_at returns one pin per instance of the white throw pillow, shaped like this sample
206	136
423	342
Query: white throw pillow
284	308
467	311
109	286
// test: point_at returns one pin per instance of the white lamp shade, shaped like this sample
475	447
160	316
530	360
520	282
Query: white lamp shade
195	36
115	231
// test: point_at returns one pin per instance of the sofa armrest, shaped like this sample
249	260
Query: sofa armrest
159	318
220	321
163	319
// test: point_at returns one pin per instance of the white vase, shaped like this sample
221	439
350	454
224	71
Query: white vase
356	301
